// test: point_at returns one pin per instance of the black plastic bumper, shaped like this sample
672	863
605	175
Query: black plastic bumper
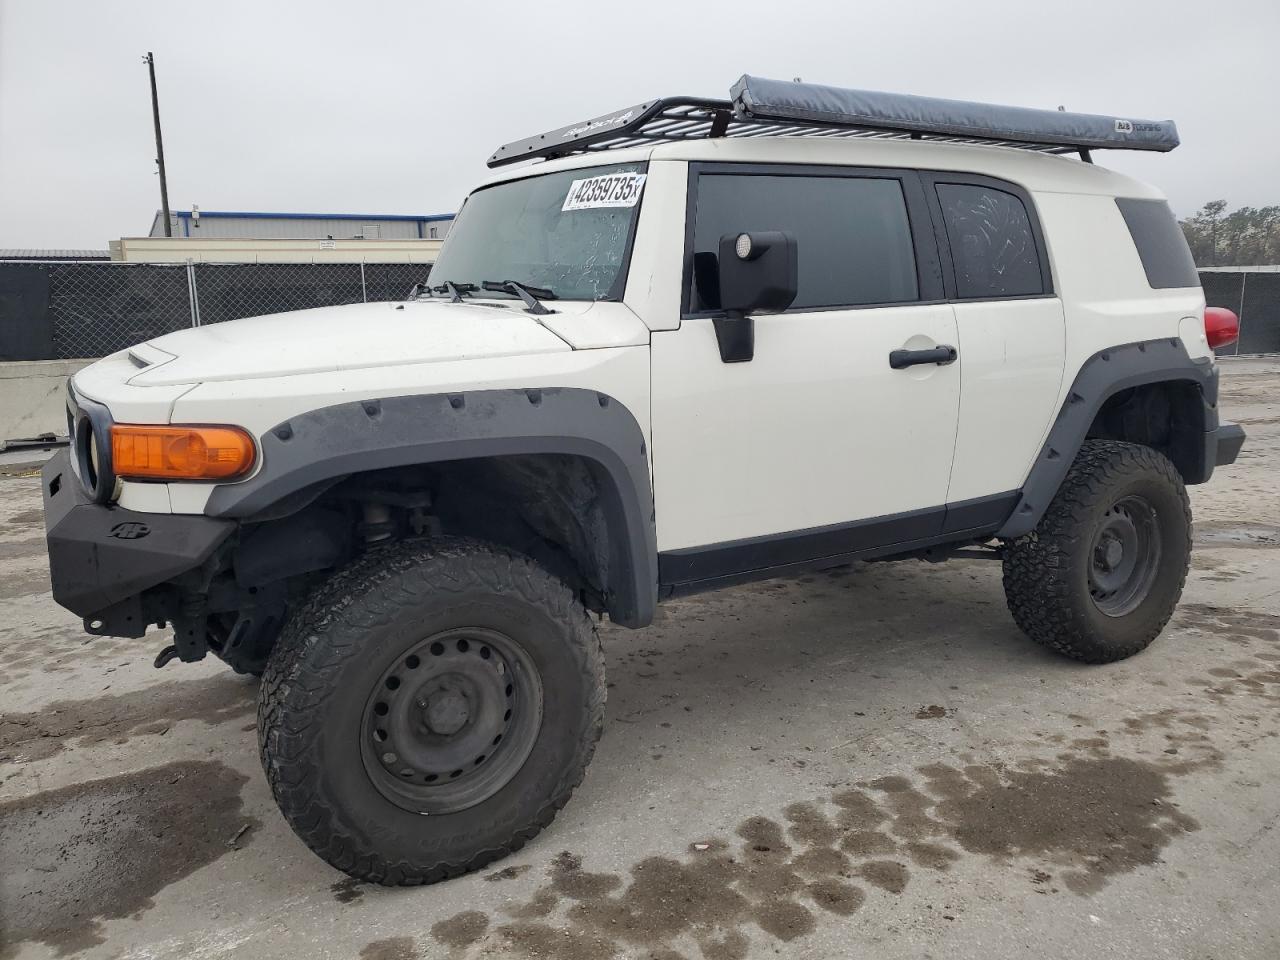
1229	438
100	555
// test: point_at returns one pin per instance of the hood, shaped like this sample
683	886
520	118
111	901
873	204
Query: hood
341	338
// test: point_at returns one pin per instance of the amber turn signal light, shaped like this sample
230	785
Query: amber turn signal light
180	453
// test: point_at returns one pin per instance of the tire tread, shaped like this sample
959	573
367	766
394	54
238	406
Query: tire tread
304	671
1037	578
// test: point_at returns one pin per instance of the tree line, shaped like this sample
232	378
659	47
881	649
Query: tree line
1245	237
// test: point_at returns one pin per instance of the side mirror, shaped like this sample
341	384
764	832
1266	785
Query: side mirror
757	271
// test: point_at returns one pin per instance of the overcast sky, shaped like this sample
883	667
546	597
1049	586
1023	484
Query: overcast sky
392	107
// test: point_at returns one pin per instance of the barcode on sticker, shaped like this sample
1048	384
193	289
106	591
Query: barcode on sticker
609	190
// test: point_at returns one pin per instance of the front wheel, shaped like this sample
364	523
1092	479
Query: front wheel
430	709
1101	574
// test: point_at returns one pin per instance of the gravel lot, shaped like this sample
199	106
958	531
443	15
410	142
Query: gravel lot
871	761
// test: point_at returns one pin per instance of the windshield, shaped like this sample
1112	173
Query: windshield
567	233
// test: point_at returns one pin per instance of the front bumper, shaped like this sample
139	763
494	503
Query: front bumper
101	555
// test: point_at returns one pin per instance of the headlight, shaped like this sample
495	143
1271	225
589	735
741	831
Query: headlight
95	457
91	450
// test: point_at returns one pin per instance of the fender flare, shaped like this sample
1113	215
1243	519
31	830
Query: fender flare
326	444
1101	377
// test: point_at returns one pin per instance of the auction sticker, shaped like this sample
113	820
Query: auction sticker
609	190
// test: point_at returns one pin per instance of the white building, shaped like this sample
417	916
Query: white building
302	226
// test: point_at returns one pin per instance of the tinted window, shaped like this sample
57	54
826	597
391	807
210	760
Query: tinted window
852	235
1165	255
992	246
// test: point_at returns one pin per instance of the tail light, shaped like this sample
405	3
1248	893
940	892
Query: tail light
180	453
1221	327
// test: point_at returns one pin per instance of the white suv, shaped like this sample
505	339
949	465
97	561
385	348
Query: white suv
705	342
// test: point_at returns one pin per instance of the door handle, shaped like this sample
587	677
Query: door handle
941	355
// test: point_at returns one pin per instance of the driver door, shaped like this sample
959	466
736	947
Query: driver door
816	447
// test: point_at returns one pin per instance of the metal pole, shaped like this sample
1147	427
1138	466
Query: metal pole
1244	280
193	291
191	296
150	61
364	291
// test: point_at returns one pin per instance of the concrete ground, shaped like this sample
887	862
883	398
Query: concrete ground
866	762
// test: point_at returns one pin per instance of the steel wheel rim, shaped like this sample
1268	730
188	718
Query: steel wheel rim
451	721
1124	556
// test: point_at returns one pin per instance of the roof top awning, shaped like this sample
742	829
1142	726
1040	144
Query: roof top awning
779	108
759	99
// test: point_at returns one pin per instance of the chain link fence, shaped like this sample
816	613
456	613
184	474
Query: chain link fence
75	310
84	309
93	312
233	290
1254	296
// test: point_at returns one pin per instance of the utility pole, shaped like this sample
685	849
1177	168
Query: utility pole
150	61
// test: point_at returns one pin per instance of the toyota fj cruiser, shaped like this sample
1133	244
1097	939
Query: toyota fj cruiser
705	342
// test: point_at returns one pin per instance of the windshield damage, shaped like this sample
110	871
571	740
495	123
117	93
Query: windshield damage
555	236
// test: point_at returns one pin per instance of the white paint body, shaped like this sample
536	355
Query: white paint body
815	430
798	438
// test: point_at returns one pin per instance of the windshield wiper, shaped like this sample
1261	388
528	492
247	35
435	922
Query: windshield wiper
525	292
455	290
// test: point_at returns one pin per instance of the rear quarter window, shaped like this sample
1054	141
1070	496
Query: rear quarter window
1163	249
993	246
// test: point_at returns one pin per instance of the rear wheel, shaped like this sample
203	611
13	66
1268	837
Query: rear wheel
430	709
1101	574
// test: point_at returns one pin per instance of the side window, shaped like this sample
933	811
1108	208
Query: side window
992	244
852	233
1163	249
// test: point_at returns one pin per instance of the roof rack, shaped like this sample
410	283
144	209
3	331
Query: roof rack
779	108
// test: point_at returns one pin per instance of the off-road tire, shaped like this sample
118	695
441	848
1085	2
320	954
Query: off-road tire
1046	572
327	661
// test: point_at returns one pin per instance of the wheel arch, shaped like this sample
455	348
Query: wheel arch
1112	397
311	453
